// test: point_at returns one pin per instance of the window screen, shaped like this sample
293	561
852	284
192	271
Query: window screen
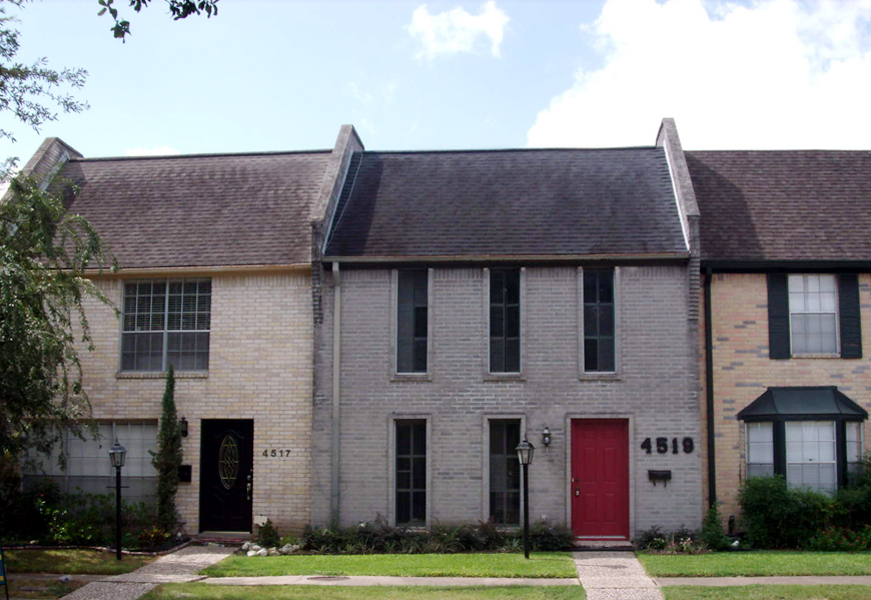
811	459
166	322
88	468
599	320
411	472
504	472
813	314
505	321
412	322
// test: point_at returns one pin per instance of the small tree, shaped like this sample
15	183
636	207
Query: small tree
168	457
712	530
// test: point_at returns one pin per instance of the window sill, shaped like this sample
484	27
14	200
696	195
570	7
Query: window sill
504	377
411	377
161	375
816	356
599	377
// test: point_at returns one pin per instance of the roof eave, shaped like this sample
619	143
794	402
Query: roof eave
530	258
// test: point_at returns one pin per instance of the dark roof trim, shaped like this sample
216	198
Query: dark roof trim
670	256
802	404
206	155
790	266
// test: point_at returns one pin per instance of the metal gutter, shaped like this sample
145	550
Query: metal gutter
529	258
709	392
170	271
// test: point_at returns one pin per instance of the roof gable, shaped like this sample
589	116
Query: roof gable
508	203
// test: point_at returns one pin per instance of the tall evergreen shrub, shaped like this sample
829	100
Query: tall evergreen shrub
168	458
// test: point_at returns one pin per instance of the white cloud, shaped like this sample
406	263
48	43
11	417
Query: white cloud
776	74
456	30
153	151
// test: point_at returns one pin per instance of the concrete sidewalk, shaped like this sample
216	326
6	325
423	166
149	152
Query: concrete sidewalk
178	567
359	580
614	576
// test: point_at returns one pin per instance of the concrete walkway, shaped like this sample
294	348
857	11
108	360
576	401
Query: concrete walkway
177	567
614	576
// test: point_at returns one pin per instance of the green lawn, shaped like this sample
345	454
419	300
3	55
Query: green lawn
757	564
769	592
71	561
202	591
43	589
540	564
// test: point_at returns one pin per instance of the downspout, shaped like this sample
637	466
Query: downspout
337	370
709	391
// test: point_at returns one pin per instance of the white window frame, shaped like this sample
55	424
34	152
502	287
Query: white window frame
792	311
760	426
393	371
791	459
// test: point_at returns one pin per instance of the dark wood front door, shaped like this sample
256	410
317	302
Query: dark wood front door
226	475
600	478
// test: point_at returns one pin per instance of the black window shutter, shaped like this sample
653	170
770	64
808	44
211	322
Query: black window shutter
851	328
778	316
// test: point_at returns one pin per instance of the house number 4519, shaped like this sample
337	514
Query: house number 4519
662	445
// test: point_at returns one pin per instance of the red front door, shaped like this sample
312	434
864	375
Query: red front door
600	478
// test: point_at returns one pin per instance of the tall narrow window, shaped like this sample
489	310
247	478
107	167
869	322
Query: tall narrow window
599	320
813	314
504	472
760	449
853	435
412	321
505	321
166	322
411	472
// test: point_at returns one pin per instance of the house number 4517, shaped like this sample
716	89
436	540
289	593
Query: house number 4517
662	445
276	453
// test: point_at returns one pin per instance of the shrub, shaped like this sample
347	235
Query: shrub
267	535
168	457
379	537
841	539
775	516
712	530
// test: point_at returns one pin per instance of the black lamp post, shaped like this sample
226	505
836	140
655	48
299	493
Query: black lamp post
524	455
117	454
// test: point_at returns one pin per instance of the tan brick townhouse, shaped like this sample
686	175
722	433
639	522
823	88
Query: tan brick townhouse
215	278
786	363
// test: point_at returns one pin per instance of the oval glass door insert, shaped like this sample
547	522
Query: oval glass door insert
228	461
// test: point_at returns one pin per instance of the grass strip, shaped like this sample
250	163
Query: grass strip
763	563
540	564
202	591
68	562
27	589
769	592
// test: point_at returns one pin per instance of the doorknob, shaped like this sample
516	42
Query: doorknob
577	492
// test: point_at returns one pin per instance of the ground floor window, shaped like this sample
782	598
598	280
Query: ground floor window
411	472
805	452
88	469
504	472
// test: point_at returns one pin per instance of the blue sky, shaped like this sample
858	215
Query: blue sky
274	75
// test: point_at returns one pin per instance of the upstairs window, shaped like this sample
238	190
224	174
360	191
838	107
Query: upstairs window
599	320
412	322
166	322
813	314
505	321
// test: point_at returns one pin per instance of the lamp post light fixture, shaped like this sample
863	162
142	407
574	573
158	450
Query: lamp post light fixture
117	454
525	451
183	425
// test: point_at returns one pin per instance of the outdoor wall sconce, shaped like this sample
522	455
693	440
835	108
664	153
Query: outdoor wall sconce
545	436
184	427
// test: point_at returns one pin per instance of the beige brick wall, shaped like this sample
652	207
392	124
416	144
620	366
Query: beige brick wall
260	368
743	371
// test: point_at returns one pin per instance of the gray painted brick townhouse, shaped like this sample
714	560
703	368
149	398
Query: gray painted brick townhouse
466	299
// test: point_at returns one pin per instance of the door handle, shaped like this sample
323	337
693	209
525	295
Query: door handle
577	492
248	488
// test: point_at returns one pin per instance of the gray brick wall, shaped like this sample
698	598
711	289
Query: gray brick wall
656	389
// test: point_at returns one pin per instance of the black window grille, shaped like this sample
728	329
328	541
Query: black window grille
599	320
504	472
412	322
411	472
505	321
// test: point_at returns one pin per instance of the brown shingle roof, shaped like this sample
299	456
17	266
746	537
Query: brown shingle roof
797	205
508	203
206	210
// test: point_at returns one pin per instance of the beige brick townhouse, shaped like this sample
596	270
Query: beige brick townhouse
215	279
786	257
